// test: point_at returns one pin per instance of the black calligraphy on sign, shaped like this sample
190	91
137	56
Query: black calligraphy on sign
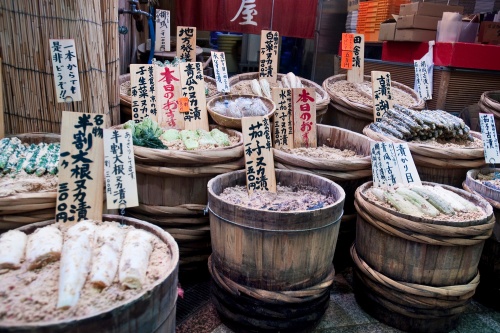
193	88
220	71
186	48
422	79
490	138
406	164
162	42
65	66
143	92
382	96
283	121
74	199
269	55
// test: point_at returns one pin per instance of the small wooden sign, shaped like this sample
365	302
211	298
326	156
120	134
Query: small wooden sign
406	165
186	43
381	94
2	121
346	60
377	166
423	79
356	74
490	139
259	160
283	118
162	33
304	117
193	87
220	71
347	42
65	67
143	91
390	164
119	169
269	44
168	91
80	190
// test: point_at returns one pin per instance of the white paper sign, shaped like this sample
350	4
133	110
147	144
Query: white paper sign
65	67
142	89
406	164
390	164
424	70
220	71
162	40
377	168
490	139
119	169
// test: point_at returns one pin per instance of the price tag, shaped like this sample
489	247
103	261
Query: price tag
81	172
283	120
304	117
119	169
347	42
183	104
259	160
346	60
220	71
162	39
490	139
381	93
65	67
193	87
268	61
356	74
142	89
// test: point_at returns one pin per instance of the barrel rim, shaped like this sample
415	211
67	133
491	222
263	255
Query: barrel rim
471	180
174	264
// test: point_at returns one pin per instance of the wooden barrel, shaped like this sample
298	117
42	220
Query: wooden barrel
152	311
173	184
322	97
24	208
489	265
490	103
412	257
443	165
355	116
273	257
349	173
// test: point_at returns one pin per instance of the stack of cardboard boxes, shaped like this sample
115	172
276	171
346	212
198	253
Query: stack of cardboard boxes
417	22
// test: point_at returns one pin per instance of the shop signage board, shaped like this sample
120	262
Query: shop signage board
220	71
168	91
259	160
81	172
119	169
193	87
268	59
490	139
186	43
356	74
381	94
283	118
143	92
304	117
162	31
65	68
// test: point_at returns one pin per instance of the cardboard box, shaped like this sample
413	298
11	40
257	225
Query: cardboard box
414	35
428	9
387	30
417	22
489	33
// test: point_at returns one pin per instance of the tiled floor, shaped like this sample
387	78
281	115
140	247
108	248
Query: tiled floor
343	315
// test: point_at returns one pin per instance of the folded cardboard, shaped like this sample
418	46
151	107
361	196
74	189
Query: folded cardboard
428	9
489	33
387	29
417	22
414	35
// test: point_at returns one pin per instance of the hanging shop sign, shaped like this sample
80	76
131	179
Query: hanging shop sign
65	67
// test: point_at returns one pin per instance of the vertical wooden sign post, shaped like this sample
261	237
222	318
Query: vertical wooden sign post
162	41
193	88
304	117
381	93
356	74
2	119
490	139
168	91
186	43
259	161
220	71
143	91
65	67
406	164
283	118
119	169
269	44
80	189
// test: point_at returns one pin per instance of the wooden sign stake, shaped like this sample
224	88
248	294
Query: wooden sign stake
355	75
142	89
168	91
381	94
283	118
193	87
186	43
269	44
304	117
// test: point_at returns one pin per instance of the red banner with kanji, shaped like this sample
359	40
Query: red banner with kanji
291	18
